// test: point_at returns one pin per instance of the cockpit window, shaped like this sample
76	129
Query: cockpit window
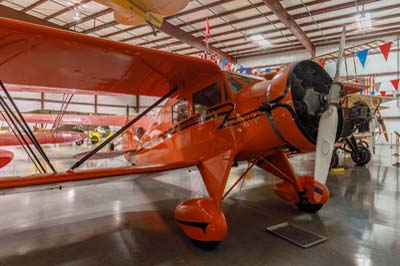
207	97
180	111
244	79
235	85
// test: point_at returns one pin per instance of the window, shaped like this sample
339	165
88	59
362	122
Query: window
235	85
180	111
207	97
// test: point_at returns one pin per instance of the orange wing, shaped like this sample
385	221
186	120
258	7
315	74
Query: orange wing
42	56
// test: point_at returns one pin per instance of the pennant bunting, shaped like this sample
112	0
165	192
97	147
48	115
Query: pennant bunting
241	69
247	71
322	63
228	65
385	49
207	30
395	83
267	70
362	56
250	70
372	93
224	63
383	93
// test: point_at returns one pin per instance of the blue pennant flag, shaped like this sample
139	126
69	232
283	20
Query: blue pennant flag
372	93
267	70
241	69
362	56
224	63
247	71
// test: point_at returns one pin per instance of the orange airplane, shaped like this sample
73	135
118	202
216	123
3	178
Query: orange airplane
211	119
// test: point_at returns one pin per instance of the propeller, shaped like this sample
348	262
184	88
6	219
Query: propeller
328	123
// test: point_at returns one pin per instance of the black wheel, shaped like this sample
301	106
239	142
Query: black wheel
362	157
111	147
334	160
305	206
206	245
79	142
94	140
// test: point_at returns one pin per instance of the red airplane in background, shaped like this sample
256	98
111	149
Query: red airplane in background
211	119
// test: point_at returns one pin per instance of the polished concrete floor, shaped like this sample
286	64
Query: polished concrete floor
131	222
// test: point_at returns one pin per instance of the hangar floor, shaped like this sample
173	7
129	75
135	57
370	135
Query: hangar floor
131	222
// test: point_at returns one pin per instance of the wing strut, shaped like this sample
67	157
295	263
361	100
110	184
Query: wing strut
122	129
18	120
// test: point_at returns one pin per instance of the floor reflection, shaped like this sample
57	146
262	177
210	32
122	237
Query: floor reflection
131	221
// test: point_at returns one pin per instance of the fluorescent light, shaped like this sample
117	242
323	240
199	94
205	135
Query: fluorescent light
363	21
258	38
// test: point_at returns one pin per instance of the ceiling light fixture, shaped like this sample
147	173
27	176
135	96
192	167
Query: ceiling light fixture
363	20
258	38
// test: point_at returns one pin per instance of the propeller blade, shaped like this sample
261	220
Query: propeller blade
340	55
328	123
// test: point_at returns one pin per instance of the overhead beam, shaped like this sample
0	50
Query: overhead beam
188	38
65	10
230	12
32	6
7	12
324	10
354	38
291	24
88	18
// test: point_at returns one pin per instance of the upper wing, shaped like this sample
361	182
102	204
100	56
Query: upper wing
372	101
86	120
42	56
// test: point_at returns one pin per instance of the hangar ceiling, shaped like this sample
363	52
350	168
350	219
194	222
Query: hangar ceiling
239	28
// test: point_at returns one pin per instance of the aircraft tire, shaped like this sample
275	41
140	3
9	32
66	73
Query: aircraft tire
334	160
111	146
206	245
361	158
305	206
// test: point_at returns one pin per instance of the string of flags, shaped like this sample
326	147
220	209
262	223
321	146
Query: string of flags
362	56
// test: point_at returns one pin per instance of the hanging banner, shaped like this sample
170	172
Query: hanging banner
377	86
362	56
395	83
385	49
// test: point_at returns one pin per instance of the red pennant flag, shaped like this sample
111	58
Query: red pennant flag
228	65
395	83
251	70
322	63
383	93
385	49
207	30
